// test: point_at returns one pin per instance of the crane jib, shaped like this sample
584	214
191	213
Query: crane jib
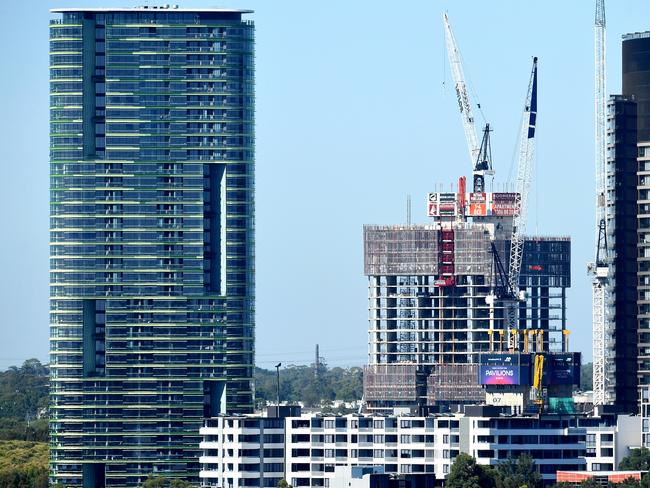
533	104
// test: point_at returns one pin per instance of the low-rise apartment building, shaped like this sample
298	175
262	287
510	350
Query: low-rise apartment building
305	449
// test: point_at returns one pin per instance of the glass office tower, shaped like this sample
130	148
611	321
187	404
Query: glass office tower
152	245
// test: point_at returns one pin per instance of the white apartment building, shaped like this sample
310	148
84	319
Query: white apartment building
305	449
609	438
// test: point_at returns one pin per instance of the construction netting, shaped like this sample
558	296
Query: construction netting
472	249
390	382
400	250
454	383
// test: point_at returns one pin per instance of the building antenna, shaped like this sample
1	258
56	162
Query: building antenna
408	209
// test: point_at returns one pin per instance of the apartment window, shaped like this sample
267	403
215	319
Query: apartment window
378	439
378	453
405	438
405	424
377	424
329	424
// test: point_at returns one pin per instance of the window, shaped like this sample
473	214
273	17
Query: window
377	424
329	424
405	439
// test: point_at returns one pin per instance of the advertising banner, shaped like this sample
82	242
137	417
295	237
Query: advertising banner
562	369
442	204
478	204
499	369
504	204
499	375
432	204
447	204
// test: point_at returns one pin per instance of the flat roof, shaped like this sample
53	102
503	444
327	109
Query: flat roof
636	35
165	8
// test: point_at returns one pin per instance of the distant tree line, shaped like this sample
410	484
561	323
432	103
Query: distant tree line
316	387
23	435
311	385
24	397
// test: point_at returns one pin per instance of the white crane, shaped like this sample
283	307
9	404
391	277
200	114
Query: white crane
599	270
524	177
479	155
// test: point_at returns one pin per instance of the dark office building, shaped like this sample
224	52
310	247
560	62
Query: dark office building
152	287
636	87
622	230
636	78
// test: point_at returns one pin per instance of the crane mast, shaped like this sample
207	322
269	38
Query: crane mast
600	268
481	163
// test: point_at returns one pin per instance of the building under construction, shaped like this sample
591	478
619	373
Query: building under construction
468	309
432	312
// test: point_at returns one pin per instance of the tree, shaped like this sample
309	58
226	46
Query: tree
627	483
515	473
154	482
465	473
23	464
180	484
586	376
637	460
283	484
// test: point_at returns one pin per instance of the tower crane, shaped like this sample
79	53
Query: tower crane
480	156
524	177
599	270
506	283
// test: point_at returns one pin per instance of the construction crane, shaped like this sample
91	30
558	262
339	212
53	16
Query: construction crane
505	288
524	177
538	374
480	156
599	270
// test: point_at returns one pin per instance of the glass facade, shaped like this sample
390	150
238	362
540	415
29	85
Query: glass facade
152	237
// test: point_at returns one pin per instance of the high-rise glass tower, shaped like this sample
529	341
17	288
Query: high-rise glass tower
152	245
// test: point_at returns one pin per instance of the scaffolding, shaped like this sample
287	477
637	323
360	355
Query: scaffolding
454	383
400	250
390	382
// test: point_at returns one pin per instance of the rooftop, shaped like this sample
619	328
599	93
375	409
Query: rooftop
152	8
636	35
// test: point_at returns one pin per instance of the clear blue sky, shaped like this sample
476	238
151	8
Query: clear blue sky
352	115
